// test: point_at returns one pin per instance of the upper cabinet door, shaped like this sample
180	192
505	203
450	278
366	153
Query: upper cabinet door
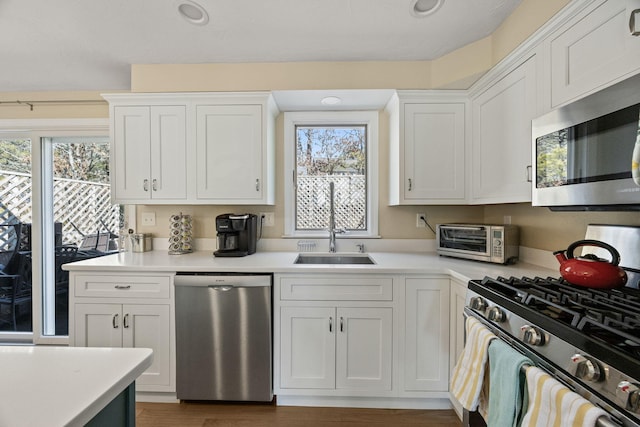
501	155
230	154
594	50
168	152
131	150
434	151
427	156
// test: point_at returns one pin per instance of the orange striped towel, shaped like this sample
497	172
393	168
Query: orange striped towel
468	374
553	404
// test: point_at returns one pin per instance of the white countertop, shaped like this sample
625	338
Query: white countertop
64	386
282	262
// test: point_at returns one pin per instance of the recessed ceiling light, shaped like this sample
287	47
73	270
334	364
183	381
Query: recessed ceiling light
330	100
193	12
422	8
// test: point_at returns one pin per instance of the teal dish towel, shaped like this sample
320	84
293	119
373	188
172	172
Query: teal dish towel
506	384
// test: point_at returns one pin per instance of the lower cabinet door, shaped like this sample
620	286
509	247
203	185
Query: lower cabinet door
148	326
364	348
426	334
98	325
307	347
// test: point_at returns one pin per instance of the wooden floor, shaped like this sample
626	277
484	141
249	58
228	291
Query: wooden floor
249	415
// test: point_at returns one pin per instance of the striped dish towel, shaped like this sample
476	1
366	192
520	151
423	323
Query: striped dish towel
552	404
468	374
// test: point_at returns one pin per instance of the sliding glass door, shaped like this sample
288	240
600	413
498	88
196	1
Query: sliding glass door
15	221
79	221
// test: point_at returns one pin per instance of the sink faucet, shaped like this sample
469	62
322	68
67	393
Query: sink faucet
332	219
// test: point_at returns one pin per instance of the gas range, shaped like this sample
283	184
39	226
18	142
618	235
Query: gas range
588	339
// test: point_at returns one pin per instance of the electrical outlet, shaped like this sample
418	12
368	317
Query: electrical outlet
149	218
268	219
419	220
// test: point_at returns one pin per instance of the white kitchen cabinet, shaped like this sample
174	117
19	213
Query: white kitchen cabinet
193	148
126	310
594	49
128	325
428	134
501	153
231	154
426	363
336	347
334	334
149	153
235	146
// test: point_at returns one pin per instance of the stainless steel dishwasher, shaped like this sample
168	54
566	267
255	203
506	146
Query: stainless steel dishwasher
224	336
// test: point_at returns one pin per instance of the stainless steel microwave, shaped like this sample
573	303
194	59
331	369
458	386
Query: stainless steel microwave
584	152
480	242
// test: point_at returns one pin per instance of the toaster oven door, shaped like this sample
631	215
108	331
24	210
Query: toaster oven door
472	240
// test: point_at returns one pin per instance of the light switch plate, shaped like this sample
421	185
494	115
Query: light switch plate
149	218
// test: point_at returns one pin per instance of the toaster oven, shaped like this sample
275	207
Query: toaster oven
480	242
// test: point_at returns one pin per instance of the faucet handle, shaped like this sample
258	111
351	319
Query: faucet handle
339	230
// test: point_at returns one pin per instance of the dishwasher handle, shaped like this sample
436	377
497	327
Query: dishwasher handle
218	282
221	288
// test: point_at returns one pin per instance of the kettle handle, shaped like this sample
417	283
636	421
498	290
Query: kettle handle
615	255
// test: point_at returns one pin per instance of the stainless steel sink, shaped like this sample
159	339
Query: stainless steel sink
333	259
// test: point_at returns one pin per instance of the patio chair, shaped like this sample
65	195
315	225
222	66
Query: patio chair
64	255
9	246
14	292
10	296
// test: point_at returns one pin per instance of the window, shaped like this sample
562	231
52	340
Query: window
324	147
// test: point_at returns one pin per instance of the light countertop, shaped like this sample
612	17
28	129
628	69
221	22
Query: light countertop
283	262
64	386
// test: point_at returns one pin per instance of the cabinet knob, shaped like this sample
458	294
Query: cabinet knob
330	324
125	321
145	185
410	184
341	324
114	321
257	185
154	184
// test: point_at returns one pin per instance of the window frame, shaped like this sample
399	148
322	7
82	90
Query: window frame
328	119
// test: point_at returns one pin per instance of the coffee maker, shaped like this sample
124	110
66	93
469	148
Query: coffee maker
236	235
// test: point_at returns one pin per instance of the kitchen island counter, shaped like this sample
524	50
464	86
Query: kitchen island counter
283	262
64	386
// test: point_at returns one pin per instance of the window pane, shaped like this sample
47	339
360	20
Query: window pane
327	154
84	221
15	222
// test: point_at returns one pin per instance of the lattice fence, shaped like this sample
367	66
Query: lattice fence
79	202
313	203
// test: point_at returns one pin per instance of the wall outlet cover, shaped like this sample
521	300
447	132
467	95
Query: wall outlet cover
419	222
269	219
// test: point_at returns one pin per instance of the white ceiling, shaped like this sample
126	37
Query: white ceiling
91	44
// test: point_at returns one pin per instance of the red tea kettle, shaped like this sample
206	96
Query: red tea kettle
590	271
